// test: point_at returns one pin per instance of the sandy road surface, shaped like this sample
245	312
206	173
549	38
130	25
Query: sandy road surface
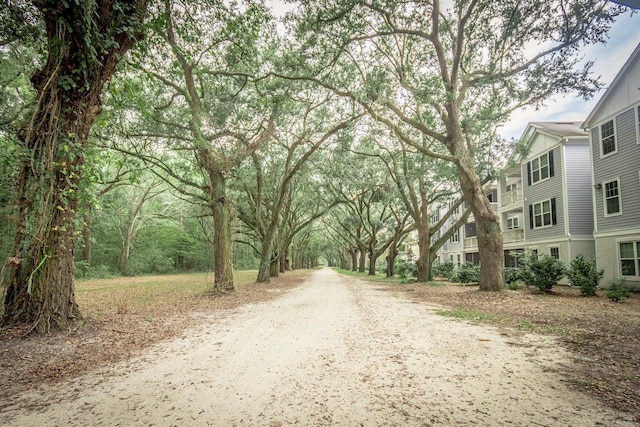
334	351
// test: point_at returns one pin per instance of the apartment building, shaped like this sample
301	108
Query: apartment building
614	130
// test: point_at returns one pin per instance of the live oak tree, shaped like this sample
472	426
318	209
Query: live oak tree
453	72
425	185
208	111
85	41
308	120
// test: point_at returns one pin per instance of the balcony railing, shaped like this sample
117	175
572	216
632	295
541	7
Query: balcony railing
512	196
515	235
470	241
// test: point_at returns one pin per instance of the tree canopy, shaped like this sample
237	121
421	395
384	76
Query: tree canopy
173	135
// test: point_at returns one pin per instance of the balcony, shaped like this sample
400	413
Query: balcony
470	242
511	236
512	196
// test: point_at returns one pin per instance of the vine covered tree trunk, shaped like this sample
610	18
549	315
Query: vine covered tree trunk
85	42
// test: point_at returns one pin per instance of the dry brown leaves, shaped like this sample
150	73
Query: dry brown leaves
115	328
602	336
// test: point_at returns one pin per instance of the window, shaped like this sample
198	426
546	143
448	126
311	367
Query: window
607	138
554	252
455	237
458	260
612	205
630	258
511	187
435	217
513	223
540	168
542	214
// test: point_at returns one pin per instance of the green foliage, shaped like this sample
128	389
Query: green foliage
466	273
584	274
542	271
511	278
83	271
407	270
618	291
444	269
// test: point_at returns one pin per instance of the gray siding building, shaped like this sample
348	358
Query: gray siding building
614	128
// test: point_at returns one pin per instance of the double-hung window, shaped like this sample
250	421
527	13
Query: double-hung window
540	168
542	214
612	205
513	223
607	138
455	237
630	258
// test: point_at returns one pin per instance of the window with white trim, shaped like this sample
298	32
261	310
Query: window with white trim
630	258
540	168
554	252
607	138
543	214
513	223
455	237
612	205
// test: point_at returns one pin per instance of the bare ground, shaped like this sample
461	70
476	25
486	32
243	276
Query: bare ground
598	354
602	337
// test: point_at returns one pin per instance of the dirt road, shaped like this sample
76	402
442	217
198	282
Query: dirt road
335	351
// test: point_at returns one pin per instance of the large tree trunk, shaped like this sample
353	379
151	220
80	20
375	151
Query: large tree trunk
265	265
222	234
391	260
354	259
373	258
488	229
84	47
274	268
363	259
424	258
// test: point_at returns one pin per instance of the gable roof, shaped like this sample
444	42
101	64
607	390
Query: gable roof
560	129
619	76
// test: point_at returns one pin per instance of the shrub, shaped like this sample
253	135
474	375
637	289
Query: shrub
466	273
542	271
618	291
406	269
584	274
511	278
444	269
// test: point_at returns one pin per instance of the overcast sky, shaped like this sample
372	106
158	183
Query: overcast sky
609	58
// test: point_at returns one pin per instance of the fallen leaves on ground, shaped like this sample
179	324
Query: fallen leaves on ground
603	336
116	327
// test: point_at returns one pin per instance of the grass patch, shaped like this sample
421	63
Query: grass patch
378	278
465	314
143	293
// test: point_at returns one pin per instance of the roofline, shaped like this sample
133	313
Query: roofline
602	100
